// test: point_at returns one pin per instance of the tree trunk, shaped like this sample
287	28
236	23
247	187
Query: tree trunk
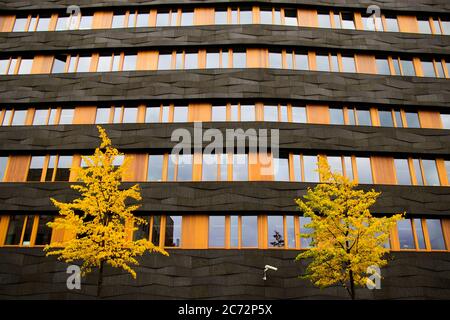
100	280
352	285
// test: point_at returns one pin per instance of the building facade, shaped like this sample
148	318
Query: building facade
368	90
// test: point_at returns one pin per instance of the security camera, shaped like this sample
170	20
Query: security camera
267	268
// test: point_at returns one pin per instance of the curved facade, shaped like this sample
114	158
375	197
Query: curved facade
372	94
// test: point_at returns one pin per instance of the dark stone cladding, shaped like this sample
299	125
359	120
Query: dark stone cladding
225	84
292	136
399	5
224	36
218	198
216	274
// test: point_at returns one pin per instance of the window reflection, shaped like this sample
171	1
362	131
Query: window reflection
173	231
275	231
405	234
217	231
249	231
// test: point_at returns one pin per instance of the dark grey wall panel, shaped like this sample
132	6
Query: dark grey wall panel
225	84
216	274
401	5
223	36
153	137
225	197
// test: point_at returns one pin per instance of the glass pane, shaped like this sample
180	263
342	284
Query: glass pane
386	118
402	171
102	115
184	167
220	17
25	66
290	231
398	119
284	113
275	231
418	172
246	17
26	240
155	167
130	115
44	233
247	113
162	19
59	65
212	60
19	118
424	26
20	24
35	170
209	167
86	22
3	162
297	167
180	114
187	18
364	170
364	118
152	114
12	66
408	68
142	20
336	116
234	113
440	69
299	114
334	63
412	119
191	61
405	234
173	231
240	167
383	67
143	229
239	60
290	17
118	21
391	25
348	167
165	114
15	228
275	60
324	20
216	231
368	23
66	116
43	24
51	119
347	20
50	168
277	16
156	230
234	231
104	63
445	120
310	164
219	113
281	169
430	173
301	62
4	66
322	62
305	242
63	171
428	69
84	64
129	62
249	231
165	62
271	113
265	16
348	64
419	233
435	233
335	164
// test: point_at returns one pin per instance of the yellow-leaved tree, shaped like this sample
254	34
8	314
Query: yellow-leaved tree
97	220
345	238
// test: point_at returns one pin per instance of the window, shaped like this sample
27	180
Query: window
335	164
187	18
402	171
364	170
25	66
19	117
275	231
283	113
102	115
40	117
364	118
348	64
118	21
247	113
184	166
12	66
163	19
336	116
108	63
212	60
142	20
386	119
428	69
152	114
173	231
435	233
209	167
322	62
324	20
180	114
445	27
424	26
398	119
297	165
239	60
129	62
405	234
28	230
383	66
249	231
419	233
191	61
43	24
4	63
305	242
347	20
299	114
271	113
412	119
245	16
430	173
220	16
130	115
219	113
3	162
408	68
85	23
165	61
391	24
35	169
275	60
63	168
143	229
59	64
281	169
290	17
84	64
290	230
348	167
301	62
445	120
310	169
240	167
155	167
216	231
66	116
